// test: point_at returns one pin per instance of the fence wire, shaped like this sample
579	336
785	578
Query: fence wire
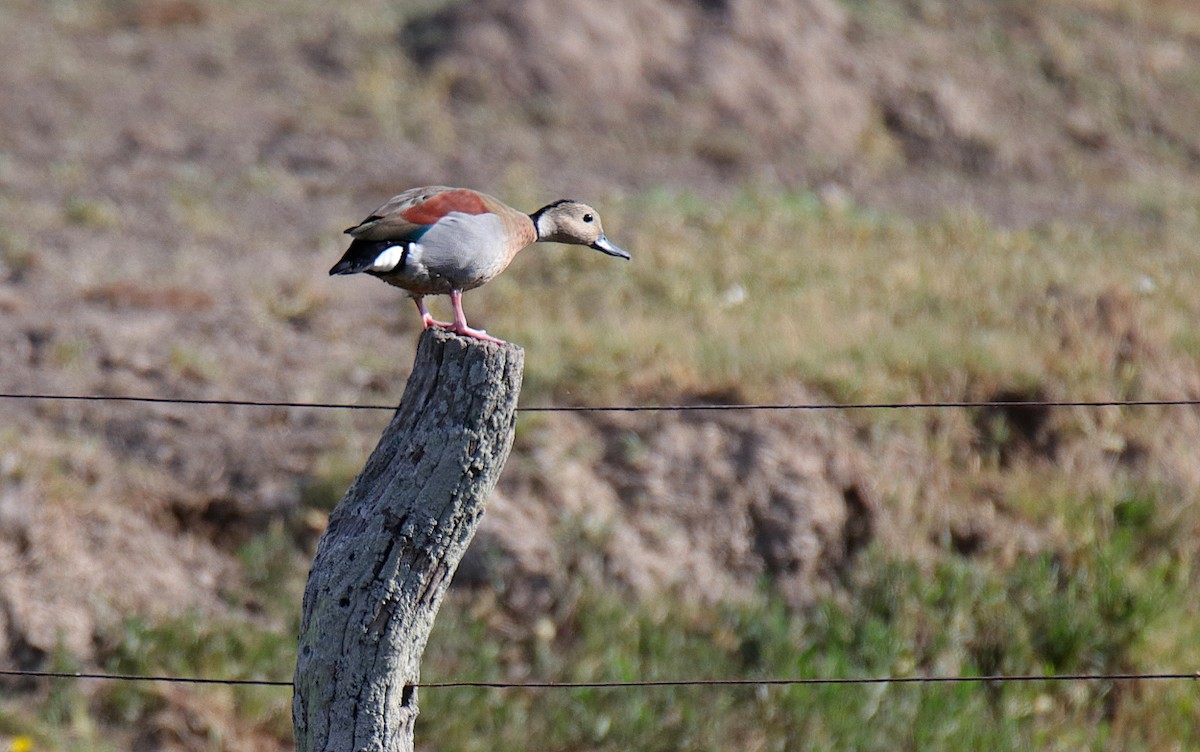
1008	404
645	683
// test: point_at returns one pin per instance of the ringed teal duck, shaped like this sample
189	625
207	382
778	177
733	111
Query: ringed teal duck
442	241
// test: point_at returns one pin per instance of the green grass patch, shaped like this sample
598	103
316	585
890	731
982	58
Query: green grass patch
1044	615
1114	605
199	646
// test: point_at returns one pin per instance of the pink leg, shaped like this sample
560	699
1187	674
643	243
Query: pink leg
460	321
428	320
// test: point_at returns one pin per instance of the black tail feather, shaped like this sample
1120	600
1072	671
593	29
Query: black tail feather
359	256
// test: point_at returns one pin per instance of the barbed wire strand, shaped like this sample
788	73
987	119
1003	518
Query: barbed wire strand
623	408
140	678
646	683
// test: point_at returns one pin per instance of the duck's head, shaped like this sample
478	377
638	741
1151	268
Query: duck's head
568	221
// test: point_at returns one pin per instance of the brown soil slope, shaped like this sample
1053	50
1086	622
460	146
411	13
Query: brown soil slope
1019	108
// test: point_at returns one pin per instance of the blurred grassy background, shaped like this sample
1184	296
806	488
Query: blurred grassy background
178	201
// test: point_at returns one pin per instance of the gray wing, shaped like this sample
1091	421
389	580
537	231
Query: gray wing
465	249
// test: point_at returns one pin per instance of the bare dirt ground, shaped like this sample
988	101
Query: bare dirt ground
1006	107
174	176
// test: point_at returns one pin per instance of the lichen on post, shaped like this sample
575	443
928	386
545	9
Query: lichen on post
393	543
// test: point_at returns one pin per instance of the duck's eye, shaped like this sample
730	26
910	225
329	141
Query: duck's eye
588	217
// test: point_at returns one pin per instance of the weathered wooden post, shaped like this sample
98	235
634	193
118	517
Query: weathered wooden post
393	543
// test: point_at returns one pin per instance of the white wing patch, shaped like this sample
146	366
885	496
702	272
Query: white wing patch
392	255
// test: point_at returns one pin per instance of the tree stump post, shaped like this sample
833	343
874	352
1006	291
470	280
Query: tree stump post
393	543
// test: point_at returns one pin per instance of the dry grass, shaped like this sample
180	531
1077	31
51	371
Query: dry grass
746	295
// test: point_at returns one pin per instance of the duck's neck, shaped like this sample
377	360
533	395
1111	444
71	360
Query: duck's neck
543	226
